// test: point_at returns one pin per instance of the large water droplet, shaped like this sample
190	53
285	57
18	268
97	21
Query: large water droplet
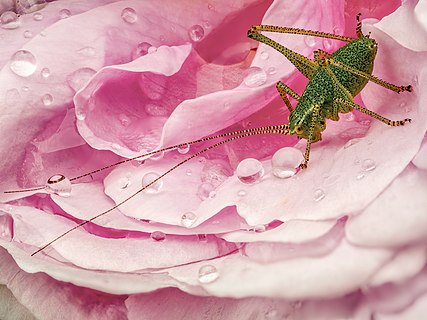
45	73
79	78
12	97
319	194
158	236
286	161
204	190
141	50
64	13
129	15
23	63
37	16
196	33
59	184
155	187
9	20
250	171
255	77
208	274
188	219
184	148
47	99
368	165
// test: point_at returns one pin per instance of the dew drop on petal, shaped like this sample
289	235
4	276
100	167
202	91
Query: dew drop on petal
157	236
310	41
188	219
286	161
184	148
9	20
211	7
255	77
129	15
78	79
45	73
271	70
28	34
360	176
206	24
205	190
259	228
141	50
125	121
196	33
47	99
327	44
23	63
241	193
319	194
188	172
116	146
64	13
208	274
59	184
153	188
349	116
264	55
80	115
250	171
368	165
124	182
37	16
87	51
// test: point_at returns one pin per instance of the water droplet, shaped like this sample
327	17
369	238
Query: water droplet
152	49
147	182
64	13
87	51
241	193
205	190
208	274
9	20
116	146
125	182
327	44
188	172
196	33
23	63
255	77
188	219
25	88
129	15
349	116
206	24
360	176
259	228
79	78
157	236
184	148
310	41
59	184
37	16
415	81
141	50
351	142
124	120
250	170
286	161
12	97
368	165
45	73
80	115
47	99
319	194
211	7
271	70
28	34
264	55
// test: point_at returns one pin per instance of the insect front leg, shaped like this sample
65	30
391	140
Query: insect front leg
283	90
393	123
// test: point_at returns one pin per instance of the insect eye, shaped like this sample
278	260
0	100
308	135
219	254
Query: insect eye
298	129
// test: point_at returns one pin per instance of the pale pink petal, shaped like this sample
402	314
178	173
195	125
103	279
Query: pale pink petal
420	159
415	311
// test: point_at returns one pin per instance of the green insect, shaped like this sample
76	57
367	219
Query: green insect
334	80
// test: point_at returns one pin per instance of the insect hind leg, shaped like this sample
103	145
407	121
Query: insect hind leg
284	90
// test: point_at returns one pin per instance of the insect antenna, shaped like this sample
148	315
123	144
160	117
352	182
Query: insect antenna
276	129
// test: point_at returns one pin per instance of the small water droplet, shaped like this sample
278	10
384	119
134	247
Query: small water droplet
188	172
158	236
141	50
368	165
241	193
319	194
327	44
12	97
259	228
349	116
125	182
310	41
360	176
271	70
211	7
286	161
264	55
23	63
129	15
9	20
28	34
59	184
208	274
188	219
184	148
37	16
152	49
196	33
250	171
124	120
47	99
78	79
415	81
45	73
25	89
87	51
204	190
80	115
206	24
147	182
255	77
116	146
351	142
64	13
